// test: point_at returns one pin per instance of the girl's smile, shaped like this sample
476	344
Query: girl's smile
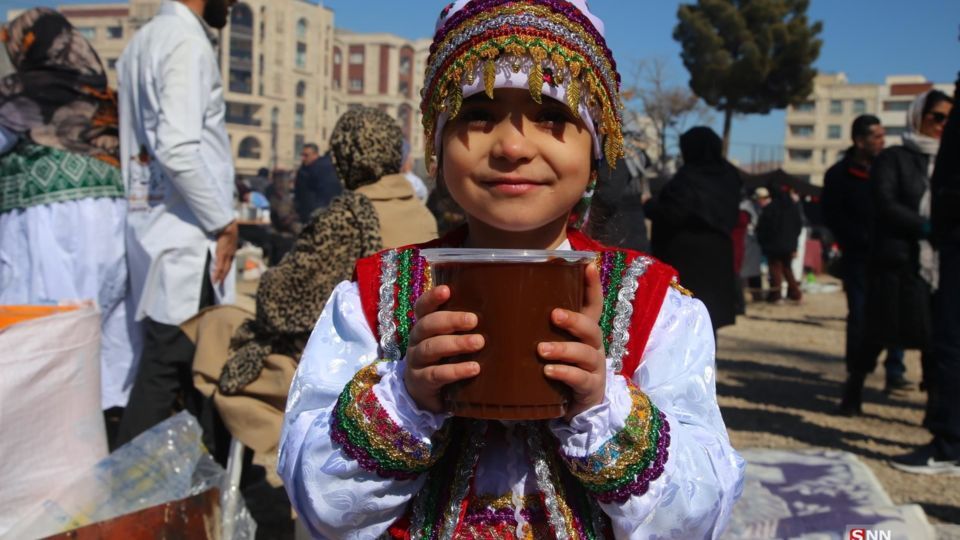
516	166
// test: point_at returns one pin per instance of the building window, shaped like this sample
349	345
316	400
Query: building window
800	155
249	148
356	58
894	131
241	49
88	32
263	23
301	89
859	106
404	117
301	59
834	132
404	88
275	116
801	131
337	56
115	32
111	63
356	85
896	106
806	106
302	29
242	113
298	116
836	106
298	142
405	66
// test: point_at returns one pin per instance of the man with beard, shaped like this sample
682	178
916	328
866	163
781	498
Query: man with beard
848	210
176	163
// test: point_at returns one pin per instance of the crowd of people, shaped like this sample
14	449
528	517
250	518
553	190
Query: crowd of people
336	380
880	205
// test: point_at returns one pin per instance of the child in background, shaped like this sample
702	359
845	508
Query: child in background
521	102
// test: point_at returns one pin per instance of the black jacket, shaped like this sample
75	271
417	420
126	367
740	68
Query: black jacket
847	205
899	178
316	186
616	211
780	225
946	180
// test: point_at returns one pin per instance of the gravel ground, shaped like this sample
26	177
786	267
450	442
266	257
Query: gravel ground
780	371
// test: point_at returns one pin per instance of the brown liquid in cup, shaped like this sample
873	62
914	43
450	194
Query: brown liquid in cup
513	302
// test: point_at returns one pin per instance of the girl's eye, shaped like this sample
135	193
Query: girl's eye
476	116
553	117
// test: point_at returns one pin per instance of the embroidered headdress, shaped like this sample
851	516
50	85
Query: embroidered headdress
554	48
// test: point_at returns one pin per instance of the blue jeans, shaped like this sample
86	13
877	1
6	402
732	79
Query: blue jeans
861	356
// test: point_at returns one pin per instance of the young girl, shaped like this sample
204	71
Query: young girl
520	103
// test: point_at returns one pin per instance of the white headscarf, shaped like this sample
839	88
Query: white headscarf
913	139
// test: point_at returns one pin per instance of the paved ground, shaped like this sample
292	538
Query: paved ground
780	370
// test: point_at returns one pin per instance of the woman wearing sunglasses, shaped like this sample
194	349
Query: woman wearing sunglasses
902	267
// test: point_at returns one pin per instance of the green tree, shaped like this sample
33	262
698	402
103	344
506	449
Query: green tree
748	56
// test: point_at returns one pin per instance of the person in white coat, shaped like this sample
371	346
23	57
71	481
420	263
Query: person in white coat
176	162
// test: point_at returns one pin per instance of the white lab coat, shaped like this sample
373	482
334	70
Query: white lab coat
176	162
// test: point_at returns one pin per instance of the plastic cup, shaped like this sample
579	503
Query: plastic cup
513	293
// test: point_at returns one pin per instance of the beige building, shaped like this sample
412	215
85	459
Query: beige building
818	130
382	71
288	73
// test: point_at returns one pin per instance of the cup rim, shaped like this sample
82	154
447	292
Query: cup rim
441	255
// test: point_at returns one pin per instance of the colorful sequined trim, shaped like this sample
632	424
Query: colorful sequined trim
565	520
619	335
439	506
627	463
620	282
495	517
404	275
367	433
558	41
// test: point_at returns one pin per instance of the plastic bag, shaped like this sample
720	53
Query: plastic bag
166	463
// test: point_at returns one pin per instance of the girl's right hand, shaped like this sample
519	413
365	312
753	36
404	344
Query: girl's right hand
431	340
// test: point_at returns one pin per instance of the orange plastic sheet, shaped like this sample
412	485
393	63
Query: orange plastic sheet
10	315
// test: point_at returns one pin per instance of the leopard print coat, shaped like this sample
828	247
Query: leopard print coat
292	294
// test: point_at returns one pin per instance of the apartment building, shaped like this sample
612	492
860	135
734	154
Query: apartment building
382	71
818	129
288	73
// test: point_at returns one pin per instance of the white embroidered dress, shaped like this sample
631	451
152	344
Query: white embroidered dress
336	498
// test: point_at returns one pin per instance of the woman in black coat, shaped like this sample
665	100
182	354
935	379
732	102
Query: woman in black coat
693	219
902	265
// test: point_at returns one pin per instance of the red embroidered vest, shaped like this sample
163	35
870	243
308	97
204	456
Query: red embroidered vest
634	286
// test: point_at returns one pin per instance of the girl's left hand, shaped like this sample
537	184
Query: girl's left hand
582	365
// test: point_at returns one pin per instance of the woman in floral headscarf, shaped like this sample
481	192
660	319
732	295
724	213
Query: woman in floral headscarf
62	205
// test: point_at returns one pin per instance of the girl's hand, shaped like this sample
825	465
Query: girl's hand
431	341
582	364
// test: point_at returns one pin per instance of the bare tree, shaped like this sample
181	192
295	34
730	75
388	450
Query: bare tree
653	99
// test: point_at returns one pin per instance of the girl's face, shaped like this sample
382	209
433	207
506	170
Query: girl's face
516	166
932	123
